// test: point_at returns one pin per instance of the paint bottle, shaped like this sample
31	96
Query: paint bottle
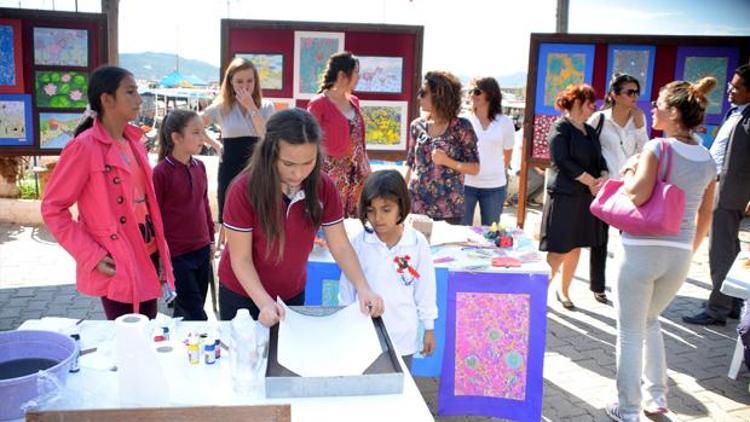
209	354
193	351
217	348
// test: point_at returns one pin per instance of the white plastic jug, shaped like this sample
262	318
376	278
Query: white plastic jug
243	354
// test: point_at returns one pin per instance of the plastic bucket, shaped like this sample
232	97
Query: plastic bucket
31	344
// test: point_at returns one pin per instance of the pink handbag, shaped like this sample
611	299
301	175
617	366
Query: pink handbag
661	215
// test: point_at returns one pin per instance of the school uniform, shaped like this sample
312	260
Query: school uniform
405	278
182	192
287	276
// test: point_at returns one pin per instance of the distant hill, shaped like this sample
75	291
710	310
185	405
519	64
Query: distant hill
513	80
154	66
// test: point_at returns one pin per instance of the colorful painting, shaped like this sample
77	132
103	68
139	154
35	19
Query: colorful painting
61	47
56	129
330	294
283	103
707	133
11	63
311	53
385	124
696	63
634	60
270	69
561	65
15	120
494	345
61	89
491	347
380	74
540	144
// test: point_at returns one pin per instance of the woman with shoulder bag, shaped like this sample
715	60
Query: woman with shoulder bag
622	135
654	267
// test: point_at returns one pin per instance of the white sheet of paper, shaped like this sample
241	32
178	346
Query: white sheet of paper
444	233
341	344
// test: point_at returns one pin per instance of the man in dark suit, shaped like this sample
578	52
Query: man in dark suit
731	151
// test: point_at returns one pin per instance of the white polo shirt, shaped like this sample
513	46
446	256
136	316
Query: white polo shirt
408	298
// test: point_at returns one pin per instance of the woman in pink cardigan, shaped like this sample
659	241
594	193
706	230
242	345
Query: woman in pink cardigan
118	239
337	112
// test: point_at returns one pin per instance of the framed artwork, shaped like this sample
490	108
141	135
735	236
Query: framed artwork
61	89
693	63
11	61
56	129
61	47
311	53
494	348
634	60
283	103
540	145
561	65
270	69
385	124
16	127
380	74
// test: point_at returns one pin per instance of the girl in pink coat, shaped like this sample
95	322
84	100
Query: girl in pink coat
118	239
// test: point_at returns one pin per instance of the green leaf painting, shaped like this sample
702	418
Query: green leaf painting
58	89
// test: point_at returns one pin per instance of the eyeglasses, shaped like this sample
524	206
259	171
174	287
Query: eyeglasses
632	92
731	87
476	91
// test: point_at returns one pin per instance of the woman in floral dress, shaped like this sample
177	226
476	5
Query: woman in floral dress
442	148
338	114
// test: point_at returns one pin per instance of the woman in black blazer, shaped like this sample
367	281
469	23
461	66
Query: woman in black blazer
578	171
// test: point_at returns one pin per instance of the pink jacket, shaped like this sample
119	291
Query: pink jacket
91	173
335	125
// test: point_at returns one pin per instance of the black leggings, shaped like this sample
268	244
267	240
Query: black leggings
598	264
230	302
236	155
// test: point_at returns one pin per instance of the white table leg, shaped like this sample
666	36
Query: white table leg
737	358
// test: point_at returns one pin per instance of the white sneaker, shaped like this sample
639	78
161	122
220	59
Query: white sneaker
655	406
613	411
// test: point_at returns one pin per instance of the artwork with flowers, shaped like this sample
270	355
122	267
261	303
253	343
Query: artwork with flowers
59	89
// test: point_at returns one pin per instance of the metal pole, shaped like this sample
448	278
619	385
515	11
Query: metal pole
562	16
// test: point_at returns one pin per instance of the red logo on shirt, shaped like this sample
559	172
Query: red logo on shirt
407	272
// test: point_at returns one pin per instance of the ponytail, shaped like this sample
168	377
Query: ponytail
340	62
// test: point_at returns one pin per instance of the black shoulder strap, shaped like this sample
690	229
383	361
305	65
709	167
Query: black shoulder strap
599	125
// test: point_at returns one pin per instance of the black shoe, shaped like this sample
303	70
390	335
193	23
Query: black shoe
735	314
703	319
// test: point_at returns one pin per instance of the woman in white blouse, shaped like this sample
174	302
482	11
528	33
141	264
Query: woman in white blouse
495	136
623	134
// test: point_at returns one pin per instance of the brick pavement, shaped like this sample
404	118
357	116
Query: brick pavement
36	278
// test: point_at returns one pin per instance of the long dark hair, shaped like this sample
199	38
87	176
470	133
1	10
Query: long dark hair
104	80
340	62
615	88
445	90
491	89
387	184
295	127
174	121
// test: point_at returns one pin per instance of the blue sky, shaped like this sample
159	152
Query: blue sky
469	37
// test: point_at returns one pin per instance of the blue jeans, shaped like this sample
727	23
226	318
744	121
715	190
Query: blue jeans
490	204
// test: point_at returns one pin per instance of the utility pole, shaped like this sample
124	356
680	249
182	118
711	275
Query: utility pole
562	16
111	8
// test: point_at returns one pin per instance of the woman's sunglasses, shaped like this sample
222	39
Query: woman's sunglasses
632	92
476	92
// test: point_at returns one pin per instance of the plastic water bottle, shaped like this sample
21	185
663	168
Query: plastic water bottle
243	356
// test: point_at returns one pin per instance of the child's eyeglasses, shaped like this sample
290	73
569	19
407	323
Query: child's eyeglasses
476	91
632	92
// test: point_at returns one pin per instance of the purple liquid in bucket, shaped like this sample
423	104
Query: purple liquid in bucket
28	346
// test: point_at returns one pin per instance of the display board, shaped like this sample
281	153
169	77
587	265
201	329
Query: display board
46	58
291	58
558	60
